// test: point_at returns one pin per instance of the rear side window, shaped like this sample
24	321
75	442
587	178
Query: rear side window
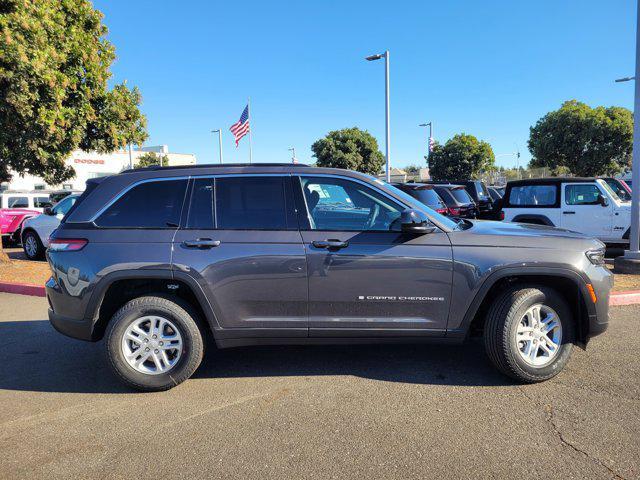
201	212
155	204
533	196
18	202
251	203
427	196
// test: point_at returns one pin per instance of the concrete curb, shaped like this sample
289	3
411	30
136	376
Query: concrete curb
23	289
630	297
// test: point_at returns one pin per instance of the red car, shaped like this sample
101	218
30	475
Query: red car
11	222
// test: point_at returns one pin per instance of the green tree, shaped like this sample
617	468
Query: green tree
586	141
151	158
349	148
54	67
462	157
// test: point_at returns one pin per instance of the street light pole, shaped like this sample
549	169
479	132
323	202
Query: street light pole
630	263
219	132
370	58
430	125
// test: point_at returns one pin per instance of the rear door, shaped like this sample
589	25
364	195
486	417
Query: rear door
582	211
240	241
366	277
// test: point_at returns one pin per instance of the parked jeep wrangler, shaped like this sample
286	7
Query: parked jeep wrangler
585	205
155	260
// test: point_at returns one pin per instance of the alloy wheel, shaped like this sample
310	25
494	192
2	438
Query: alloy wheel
152	345
539	335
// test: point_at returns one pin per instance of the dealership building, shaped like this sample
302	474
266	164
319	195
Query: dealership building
91	165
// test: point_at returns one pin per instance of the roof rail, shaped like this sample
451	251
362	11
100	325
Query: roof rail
213	165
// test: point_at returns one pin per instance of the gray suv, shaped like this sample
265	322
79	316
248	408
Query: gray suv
156	260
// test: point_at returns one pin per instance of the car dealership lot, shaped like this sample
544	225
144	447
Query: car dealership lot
335	412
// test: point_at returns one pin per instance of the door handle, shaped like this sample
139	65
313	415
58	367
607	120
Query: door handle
329	244
203	243
568	213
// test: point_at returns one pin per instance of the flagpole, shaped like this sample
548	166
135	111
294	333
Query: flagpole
250	125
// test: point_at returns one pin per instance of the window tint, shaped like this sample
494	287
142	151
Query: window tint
154	204
461	195
427	196
251	203
533	195
63	207
18	202
581	194
42	202
337	204
201	210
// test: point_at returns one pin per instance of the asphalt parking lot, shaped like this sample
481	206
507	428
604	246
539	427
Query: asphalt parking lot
315	412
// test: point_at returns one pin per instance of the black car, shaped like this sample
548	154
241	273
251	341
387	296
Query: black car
459	202
426	194
478	192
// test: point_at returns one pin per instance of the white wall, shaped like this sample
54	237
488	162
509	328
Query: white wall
90	165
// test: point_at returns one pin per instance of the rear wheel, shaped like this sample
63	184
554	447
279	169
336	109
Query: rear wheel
32	246
529	333
154	343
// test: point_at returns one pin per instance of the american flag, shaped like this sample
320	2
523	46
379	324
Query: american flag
432	143
241	127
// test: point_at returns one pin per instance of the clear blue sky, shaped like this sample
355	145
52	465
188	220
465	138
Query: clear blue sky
488	68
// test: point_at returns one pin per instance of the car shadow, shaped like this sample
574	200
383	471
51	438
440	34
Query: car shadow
51	362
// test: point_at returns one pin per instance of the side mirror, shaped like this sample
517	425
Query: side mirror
414	221
48	211
603	201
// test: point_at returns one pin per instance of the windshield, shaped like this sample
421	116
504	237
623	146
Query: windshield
447	222
461	195
610	191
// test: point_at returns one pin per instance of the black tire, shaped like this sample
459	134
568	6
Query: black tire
500	332
182	315
39	253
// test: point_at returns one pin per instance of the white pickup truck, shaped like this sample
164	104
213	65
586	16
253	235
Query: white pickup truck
585	205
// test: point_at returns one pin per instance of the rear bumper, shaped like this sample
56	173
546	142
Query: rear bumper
71	327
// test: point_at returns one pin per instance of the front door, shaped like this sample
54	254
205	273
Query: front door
583	212
366	278
240	242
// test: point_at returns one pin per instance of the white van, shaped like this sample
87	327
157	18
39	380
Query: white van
584	205
29	200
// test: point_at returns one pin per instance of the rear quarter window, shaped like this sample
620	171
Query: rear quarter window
533	196
156	204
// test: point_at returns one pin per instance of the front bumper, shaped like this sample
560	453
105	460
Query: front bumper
601	280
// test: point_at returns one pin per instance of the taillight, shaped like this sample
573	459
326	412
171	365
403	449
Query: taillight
441	211
501	215
67	244
454	211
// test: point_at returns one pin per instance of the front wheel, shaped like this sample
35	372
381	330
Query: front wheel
529	333
154	343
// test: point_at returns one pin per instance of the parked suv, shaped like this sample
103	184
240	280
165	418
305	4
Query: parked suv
426	194
585	205
459	203
478	192
157	259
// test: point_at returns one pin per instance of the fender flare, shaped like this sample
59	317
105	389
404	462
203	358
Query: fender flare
523	271
533	216
96	298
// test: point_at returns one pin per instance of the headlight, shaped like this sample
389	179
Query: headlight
595	256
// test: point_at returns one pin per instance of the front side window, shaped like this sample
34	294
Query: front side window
342	205
582	195
533	196
42	202
252	203
155	204
18	202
